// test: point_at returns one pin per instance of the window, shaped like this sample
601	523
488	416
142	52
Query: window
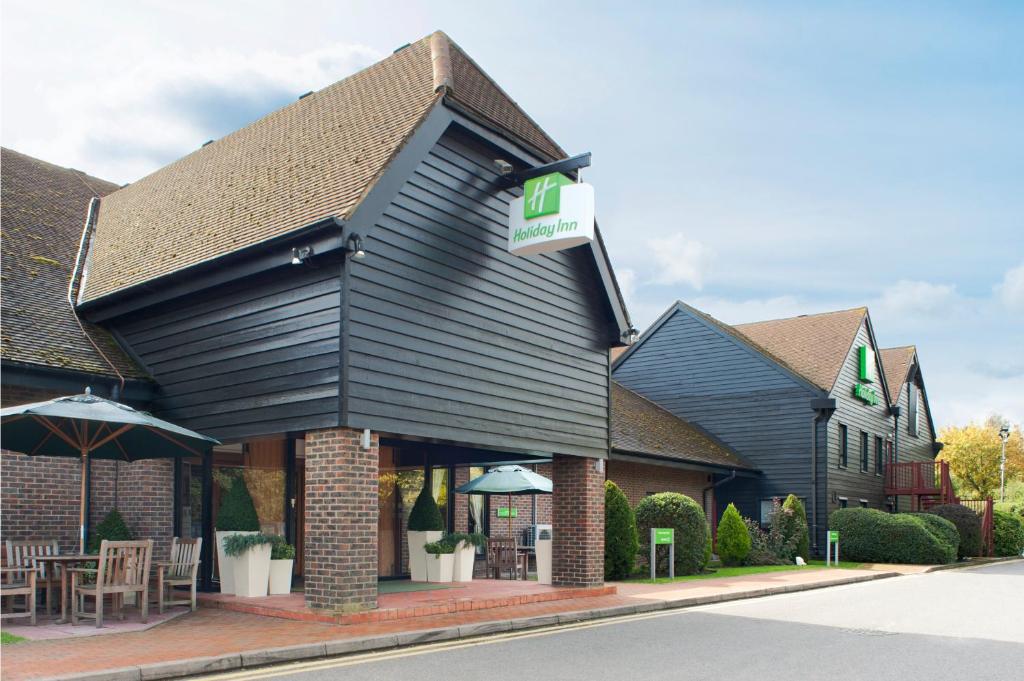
912	410
843	502
843	447
863	503
768	507
879	456
864	454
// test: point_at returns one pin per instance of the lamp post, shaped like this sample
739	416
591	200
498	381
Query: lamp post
1004	435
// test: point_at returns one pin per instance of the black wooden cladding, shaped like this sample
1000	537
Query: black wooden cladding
255	357
450	337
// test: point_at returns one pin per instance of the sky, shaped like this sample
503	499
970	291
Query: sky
754	159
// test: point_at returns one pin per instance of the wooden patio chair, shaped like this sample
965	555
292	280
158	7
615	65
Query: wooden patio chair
17	581
123	568
501	556
20	554
181	570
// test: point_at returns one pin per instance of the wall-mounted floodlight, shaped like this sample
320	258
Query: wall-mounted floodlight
300	255
355	247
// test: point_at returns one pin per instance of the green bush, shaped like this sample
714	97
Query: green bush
425	515
282	550
873	536
442	546
238	544
1008	533
968	524
794	526
942	528
237	512
112	528
680	512
620	538
733	538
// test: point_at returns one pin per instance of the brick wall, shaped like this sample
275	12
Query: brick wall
578	519
638	480
341	521
40	496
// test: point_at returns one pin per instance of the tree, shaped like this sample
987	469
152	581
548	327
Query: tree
973	452
620	536
795	526
733	538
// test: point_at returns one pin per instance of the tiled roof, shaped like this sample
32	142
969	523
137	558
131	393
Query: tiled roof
896	366
315	158
42	210
641	427
814	345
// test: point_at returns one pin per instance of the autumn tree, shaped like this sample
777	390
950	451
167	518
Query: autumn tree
973	452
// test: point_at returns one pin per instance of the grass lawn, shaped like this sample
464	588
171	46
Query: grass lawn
6	638
716	571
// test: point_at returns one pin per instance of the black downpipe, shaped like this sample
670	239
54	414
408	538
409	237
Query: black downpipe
206	555
823	410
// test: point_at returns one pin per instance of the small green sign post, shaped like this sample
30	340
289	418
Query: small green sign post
832	539
663	536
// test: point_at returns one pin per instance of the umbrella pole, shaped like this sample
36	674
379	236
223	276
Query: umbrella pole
85	490
510	517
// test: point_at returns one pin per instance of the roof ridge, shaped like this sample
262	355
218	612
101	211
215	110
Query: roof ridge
441	61
860	308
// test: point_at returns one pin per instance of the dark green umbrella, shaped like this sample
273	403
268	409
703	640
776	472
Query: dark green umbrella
510	480
86	426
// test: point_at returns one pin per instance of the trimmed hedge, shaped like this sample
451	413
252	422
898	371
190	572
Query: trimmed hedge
425	515
733	538
968	524
938	525
112	528
1008	533
620	538
794	525
873	536
678	511
237	512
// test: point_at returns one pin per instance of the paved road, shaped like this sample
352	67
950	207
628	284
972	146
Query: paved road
948	625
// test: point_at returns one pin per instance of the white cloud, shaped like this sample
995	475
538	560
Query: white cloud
1011	290
167	104
916	299
751	309
680	260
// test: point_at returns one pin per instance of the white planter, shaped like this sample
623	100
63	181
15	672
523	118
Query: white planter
440	567
281	577
417	556
543	550
225	563
252	572
465	557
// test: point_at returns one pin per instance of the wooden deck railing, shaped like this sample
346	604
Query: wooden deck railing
984	508
919	478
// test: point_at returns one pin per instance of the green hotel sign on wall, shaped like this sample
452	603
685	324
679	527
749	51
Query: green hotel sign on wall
867	374
554	213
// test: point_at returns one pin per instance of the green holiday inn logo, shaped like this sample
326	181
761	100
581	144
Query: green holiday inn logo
543	195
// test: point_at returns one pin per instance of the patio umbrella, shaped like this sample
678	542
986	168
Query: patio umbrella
510	480
86	426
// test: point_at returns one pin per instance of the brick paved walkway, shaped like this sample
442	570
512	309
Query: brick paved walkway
211	631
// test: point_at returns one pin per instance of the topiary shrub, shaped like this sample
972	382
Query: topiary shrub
112	528
1008	533
733	538
873	536
678	511
793	526
620	538
942	528
968	524
237	512
425	515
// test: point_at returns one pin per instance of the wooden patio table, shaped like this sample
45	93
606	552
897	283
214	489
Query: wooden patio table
65	561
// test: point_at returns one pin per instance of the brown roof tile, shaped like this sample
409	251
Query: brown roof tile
315	158
640	426
814	345
42	211
896	367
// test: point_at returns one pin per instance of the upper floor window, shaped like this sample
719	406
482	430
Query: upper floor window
865	457
844	451
879	455
913	409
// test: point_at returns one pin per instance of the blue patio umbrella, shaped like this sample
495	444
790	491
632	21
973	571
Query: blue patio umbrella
510	480
87	426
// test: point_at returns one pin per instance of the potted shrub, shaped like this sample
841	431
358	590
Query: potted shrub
465	554
282	558
251	562
425	526
237	516
440	559
543	549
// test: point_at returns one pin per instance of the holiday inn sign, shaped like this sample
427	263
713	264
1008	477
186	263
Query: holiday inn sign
554	213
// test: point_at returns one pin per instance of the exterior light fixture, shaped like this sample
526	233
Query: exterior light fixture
631	336
355	247
1004	435
503	166
300	255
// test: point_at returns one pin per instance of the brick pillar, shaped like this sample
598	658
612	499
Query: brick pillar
341	521
578	521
